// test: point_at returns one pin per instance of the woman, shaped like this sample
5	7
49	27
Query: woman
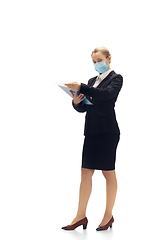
101	135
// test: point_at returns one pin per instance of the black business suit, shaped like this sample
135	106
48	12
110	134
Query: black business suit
101	128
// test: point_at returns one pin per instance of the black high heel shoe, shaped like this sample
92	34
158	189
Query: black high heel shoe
105	227
83	222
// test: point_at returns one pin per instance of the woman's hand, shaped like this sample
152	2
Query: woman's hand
73	86
77	98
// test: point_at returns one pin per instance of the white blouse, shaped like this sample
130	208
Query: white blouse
100	77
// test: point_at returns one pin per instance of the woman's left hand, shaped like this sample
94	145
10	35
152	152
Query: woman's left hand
74	86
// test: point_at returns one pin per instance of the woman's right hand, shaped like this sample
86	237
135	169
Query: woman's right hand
77	98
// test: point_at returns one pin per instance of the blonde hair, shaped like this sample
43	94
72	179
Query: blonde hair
103	50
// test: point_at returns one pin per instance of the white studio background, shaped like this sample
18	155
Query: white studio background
41	136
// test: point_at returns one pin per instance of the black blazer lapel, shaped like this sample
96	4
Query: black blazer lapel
92	81
106	80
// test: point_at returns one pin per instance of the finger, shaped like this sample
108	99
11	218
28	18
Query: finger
80	100
71	83
72	94
81	96
68	85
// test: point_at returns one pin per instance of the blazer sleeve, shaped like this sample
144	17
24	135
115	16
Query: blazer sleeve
80	107
103	93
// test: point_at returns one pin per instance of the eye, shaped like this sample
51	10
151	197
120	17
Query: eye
99	60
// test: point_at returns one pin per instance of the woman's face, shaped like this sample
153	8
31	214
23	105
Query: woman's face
99	57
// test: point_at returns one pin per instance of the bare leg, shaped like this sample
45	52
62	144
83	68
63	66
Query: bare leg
84	193
111	190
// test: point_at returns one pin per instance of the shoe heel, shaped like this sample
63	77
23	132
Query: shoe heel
84	226
111	226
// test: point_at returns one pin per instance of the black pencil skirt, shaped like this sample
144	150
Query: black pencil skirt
99	151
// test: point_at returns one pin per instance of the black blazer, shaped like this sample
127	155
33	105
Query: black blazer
101	117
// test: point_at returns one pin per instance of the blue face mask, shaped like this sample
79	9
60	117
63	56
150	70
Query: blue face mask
100	67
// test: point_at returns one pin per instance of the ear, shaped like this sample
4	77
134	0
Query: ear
109	58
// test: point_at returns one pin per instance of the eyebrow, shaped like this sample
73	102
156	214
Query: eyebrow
97	59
